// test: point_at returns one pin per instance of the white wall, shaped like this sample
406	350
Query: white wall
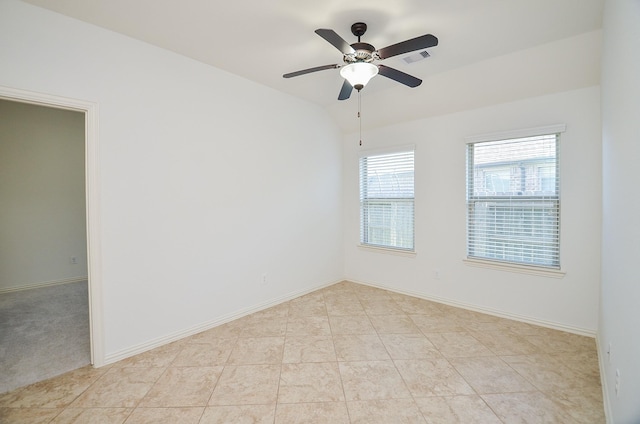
42	220
620	304
563	65
571	302
207	180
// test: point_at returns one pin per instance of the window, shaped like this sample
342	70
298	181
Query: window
513	202
387	200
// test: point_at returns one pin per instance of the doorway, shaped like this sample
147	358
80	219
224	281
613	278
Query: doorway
92	284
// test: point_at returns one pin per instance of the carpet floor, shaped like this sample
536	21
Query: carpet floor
43	333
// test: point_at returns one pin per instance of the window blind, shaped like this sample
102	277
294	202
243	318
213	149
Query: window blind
387	200
513	201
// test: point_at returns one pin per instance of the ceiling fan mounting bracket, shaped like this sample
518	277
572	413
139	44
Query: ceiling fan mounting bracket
358	29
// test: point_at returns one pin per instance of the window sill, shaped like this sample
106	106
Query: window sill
397	252
522	269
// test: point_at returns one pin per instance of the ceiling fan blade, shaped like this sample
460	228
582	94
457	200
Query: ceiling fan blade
345	91
308	71
337	41
422	42
399	76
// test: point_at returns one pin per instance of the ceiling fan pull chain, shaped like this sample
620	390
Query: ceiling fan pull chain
360	116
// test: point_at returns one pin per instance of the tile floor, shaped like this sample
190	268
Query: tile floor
344	354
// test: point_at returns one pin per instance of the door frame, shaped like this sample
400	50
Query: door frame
92	194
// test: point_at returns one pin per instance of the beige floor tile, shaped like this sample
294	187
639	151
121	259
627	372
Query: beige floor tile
359	347
239	414
314	296
311	382
505	343
467	317
247	385
381	307
28	415
584	404
500	325
490	374
340	297
93	415
308	349
344	307
53	393
370	380
436	324
449	311
585	364
351	324
412	305
257	350
272	327
526	329
308	326
372	294
183	386
561	342
307	307
312	413
165	415
435	377
277	311
346	287
159	357
459	344
529	407
342	286
385	411
393	324
119	387
229	330
409	346
456	410
546	372
205	354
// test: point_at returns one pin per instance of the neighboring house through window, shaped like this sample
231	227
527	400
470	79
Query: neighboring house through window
513	200
387	199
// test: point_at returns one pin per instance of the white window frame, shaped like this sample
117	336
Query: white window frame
364	201
552	270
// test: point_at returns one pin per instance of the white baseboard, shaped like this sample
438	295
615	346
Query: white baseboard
31	286
603	383
488	311
169	338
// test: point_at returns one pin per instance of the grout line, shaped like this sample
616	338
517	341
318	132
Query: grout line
284	344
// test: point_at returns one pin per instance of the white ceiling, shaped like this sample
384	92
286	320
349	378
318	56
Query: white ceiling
261	40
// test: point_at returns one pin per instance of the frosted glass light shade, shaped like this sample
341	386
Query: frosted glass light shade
358	74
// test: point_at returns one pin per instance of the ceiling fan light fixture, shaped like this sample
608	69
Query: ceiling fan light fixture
359	73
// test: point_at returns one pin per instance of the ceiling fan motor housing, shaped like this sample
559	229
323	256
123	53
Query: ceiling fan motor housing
364	52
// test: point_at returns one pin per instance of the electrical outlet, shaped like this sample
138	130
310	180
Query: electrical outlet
73	260
617	382
436	274
264	278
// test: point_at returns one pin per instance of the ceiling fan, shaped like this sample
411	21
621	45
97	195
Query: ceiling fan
359	59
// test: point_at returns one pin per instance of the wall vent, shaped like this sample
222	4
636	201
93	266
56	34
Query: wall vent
416	57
